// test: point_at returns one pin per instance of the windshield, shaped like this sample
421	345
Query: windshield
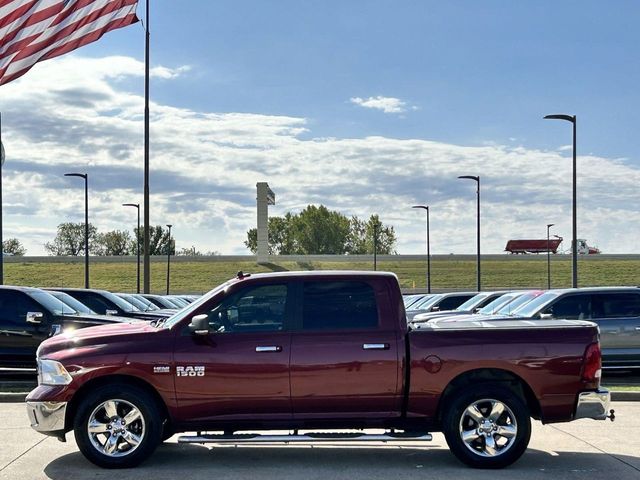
473	302
72	302
511	308
178	301
410	299
535	305
492	307
185	312
426	303
150	305
51	303
134	301
121	303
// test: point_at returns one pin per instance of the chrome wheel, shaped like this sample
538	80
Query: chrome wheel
488	427
116	428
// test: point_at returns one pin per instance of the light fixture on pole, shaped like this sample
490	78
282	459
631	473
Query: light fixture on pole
168	257
574	217
137	235
426	207
86	223
477	180
549	225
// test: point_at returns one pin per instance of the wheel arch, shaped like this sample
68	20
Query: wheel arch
491	376
120	380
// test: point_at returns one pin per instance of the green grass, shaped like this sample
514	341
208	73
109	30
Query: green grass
623	388
447	272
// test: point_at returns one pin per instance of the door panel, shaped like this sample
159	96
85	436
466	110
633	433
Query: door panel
19	340
352	368
333	376
238	382
240	371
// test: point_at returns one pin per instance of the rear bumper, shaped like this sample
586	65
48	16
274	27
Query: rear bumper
47	417
593	405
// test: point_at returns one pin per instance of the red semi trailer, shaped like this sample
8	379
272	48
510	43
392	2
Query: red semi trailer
533	246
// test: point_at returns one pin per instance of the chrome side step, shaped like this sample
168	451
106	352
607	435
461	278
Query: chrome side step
251	438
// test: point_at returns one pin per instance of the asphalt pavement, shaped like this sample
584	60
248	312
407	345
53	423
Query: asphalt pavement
585	449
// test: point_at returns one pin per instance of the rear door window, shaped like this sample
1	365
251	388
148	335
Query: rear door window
339	306
615	305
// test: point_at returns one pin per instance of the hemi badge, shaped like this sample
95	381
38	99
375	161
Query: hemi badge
161	369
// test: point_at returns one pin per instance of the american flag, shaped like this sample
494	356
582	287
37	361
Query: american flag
34	30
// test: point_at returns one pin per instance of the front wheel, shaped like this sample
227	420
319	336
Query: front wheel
118	427
487	426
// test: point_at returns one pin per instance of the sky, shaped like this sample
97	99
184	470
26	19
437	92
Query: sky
368	107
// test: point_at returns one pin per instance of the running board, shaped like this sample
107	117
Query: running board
250	438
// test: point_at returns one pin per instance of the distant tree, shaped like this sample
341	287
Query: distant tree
189	252
158	240
361	237
69	240
281	238
13	246
318	230
113	243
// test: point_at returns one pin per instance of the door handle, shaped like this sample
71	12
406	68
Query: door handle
375	346
269	348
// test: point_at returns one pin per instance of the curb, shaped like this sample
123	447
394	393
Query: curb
621	396
616	396
11	397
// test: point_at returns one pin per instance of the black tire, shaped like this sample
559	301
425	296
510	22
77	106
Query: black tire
167	432
490	449
145	431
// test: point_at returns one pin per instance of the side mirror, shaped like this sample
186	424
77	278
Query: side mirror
546	316
435	309
200	325
476	310
111	312
35	317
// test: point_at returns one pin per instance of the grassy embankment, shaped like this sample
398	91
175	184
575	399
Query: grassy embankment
447	273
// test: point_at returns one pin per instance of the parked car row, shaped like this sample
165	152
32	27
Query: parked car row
616	311
30	315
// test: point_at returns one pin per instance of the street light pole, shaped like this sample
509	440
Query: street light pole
426	207
137	235
574	219
549	225
375	246
476	179
86	223
168	257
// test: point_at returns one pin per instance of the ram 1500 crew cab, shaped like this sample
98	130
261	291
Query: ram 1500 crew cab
313	351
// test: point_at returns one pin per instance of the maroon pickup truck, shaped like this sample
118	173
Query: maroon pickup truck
313	351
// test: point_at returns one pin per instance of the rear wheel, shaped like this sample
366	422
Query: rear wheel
118	427
487	426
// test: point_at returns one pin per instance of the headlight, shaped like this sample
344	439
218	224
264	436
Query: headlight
51	372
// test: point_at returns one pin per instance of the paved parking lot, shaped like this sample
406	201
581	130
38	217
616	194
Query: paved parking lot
585	449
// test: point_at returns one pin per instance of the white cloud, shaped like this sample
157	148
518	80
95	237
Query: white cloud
386	104
74	113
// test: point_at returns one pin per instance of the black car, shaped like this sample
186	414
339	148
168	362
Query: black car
107	303
30	315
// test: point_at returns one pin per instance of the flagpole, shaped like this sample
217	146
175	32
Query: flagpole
147	269
1	239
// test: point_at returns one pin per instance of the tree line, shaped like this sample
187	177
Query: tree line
315	230
318	230
69	241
